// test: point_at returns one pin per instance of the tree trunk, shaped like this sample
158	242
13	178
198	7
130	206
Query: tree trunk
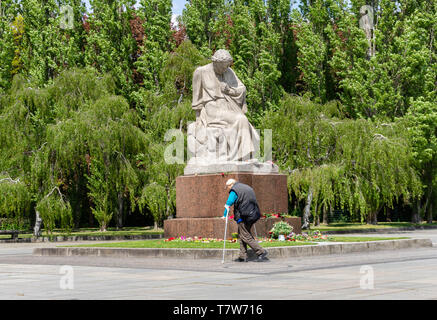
103	227
37	228
307	210
429	216
317	221
389	215
416	213
372	218
167	204
317	217
325	216
120	211
91	219
417	217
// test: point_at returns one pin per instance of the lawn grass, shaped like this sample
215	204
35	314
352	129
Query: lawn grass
219	244
362	239
345	226
95	232
134	231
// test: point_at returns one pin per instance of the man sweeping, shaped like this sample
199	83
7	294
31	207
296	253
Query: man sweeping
246	213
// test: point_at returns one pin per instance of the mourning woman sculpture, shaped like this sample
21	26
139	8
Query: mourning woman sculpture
221	132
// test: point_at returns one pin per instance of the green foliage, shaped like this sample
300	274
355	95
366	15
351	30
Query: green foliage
158	117
15	224
177	73
421	121
198	18
55	210
15	198
104	130
359	165
7	50
99	192
110	45
312	52
243	28
17	30
86	110
281	228
70	135
154	195
157	17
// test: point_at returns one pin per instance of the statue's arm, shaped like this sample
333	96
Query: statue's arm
197	102
238	88
238	91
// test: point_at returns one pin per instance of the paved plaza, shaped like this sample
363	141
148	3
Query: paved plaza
397	274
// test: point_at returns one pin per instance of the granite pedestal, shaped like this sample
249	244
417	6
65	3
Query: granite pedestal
200	201
215	227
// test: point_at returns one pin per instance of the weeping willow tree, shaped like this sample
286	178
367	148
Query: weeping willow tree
15	202
164	119
333	162
20	135
159	115
82	153
73	145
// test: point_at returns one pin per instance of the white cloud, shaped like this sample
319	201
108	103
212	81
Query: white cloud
174	19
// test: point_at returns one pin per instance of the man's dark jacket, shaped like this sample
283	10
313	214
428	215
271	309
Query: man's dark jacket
246	206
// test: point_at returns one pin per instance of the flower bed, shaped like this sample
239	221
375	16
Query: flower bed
197	239
312	236
275	215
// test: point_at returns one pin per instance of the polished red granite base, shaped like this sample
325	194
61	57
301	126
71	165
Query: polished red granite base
200	201
204	196
215	227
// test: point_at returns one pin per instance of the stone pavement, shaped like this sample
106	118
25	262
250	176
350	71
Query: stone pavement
400	274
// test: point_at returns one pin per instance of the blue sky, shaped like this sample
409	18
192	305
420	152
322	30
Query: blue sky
178	6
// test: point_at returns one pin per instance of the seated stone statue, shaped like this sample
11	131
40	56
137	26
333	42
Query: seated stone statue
222	134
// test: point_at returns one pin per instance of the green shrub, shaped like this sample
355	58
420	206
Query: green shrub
280	228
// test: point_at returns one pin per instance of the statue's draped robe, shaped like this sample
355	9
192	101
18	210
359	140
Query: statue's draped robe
225	111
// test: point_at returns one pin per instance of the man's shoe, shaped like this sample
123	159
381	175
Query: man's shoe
240	260
262	257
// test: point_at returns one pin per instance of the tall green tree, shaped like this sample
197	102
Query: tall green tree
338	163
199	17
8	12
110	46
401	66
73	144
41	42
311	57
279	12
157	29
422	125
